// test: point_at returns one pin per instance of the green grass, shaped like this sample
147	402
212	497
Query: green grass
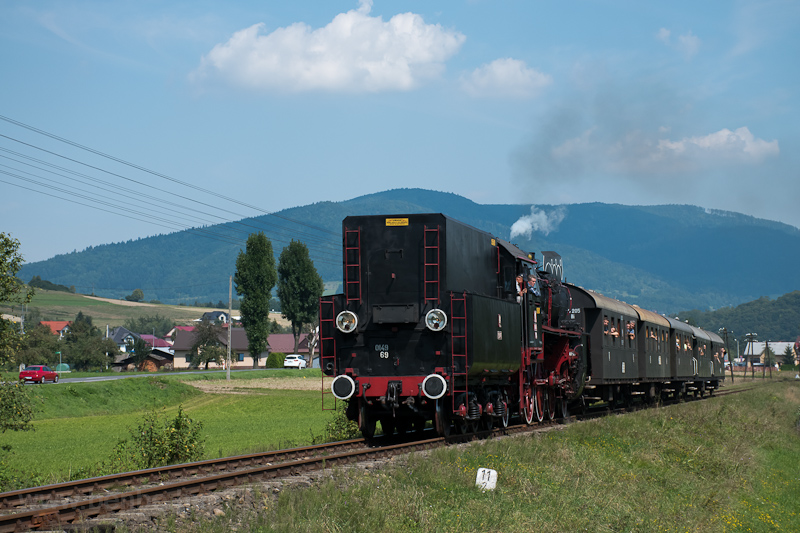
72	400
55	305
76	425
720	465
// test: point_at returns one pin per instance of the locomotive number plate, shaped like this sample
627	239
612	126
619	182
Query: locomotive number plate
382	350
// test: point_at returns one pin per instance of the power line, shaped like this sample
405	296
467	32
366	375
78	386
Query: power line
309	237
158	174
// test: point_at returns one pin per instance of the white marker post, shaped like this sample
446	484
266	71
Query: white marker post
486	479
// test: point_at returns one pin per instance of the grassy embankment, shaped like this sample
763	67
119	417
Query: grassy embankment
76	425
719	465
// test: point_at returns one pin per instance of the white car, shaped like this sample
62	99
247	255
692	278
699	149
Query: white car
294	361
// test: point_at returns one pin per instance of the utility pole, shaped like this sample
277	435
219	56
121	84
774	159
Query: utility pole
767	358
750	340
230	325
724	332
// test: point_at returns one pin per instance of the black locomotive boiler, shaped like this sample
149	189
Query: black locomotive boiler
440	321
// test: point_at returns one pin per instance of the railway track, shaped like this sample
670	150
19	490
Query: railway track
64	503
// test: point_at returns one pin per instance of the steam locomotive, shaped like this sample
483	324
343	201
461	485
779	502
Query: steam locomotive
439	321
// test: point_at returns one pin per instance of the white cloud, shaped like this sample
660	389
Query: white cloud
505	77
636	153
354	52
740	145
688	44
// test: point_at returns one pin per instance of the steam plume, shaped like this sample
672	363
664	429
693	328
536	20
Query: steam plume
538	220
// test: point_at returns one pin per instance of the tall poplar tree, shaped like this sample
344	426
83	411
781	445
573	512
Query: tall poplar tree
13	292
299	287
255	277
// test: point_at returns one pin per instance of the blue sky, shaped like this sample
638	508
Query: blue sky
279	104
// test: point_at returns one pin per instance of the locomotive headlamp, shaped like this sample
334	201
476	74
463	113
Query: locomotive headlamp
434	386
343	387
346	321
436	320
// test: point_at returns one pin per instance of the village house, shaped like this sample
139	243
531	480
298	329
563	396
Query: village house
240	355
58	327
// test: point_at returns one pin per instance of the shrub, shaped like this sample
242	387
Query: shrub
157	441
275	360
15	407
340	428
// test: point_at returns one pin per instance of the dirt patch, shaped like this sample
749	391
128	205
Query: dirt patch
259	386
121	302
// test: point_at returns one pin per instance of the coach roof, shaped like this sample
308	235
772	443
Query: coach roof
649	316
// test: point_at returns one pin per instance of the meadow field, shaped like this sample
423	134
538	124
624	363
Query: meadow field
723	464
726	464
76	425
56	305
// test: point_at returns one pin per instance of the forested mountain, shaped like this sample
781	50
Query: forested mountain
665	258
771	320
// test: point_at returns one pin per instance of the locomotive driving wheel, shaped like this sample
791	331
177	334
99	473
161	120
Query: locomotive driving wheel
539	395
551	403
563	408
528	405
366	423
506	413
441	420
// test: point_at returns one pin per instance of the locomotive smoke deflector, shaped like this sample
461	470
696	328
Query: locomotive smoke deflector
343	387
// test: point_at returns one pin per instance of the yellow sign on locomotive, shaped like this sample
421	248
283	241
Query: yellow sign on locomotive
397	222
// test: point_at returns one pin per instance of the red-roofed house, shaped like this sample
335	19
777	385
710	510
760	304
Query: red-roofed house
284	343
155	342
240	356
58	327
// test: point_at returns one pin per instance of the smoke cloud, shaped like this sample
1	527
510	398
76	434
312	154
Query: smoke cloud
538	220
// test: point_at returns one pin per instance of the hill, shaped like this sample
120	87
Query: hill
59	305
773	320
665	258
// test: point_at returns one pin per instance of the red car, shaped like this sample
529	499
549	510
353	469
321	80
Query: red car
38	374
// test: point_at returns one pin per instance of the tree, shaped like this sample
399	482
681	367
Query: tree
13	292
207	347
156	324
255	277
139	350
84	345
788	355
15	408
136	296
39	346
299	287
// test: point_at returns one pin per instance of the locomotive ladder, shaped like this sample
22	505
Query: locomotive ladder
327	344
431	266
352	265
458	347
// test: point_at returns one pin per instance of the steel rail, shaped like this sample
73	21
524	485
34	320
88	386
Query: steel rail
94	507
82	487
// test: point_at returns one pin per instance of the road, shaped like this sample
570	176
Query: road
112	375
